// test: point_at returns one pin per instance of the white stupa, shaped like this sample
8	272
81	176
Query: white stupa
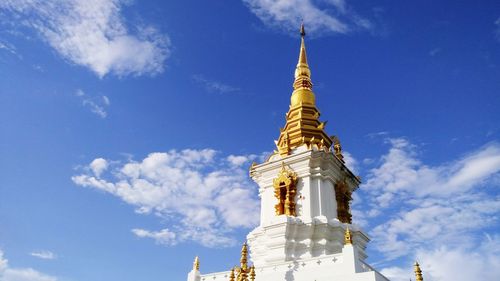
305	231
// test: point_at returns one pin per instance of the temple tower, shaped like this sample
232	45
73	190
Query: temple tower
305	232
305	188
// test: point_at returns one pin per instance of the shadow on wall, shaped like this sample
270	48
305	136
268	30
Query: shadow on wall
289	274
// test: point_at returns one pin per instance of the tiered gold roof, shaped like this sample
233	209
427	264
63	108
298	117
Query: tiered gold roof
302	120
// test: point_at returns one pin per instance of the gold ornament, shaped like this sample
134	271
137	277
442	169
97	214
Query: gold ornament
285	189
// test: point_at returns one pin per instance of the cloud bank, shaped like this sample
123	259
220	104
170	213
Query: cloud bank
441	215
203	196
92	34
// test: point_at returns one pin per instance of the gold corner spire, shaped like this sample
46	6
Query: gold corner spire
244	253
252	273
347	236
302	120
196	263
418	272
242	272
231	275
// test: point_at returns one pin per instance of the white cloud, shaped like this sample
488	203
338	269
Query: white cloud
213	86
93	34
350	162
439	211
98	166
97	105
46	255
319	16
402	171
8	273
239	160
459	263
203	196
164	236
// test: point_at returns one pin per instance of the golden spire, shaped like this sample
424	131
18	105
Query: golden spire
252	273
302	124
243	259
242	272
418	272
302	72
231	275
196	263
347	237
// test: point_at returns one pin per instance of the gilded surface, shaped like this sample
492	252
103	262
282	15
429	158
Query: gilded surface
196	263
343	197
418	272
242	272
347	237
337	148
285	189
302	124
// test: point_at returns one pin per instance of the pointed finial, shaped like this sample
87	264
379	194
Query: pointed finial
231	275
252	273
244	253
302	72
418	272
347	237
196	263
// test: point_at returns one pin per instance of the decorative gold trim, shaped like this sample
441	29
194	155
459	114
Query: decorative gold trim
337	148
285	189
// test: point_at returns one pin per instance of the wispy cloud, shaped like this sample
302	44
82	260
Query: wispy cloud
201	194
97	105
10	49
328	16
497	30
46	255
213	86
9	273
434	51
92	34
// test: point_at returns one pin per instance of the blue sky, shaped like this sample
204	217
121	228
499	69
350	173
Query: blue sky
128	128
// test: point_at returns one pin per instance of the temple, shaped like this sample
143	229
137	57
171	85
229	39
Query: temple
305	231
